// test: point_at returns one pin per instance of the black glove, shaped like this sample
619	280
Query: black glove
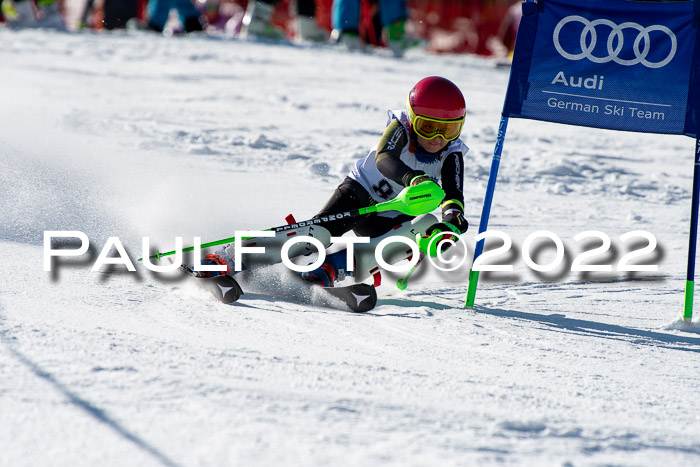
453	224
414	177
428	243
457	219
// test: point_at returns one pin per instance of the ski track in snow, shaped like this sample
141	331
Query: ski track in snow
134	135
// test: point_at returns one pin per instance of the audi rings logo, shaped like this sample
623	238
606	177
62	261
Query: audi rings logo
587	45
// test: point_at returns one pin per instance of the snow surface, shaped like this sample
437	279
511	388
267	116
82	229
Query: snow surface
134	135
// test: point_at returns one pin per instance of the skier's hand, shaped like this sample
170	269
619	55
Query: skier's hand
415	177
455	218
434	236
420	179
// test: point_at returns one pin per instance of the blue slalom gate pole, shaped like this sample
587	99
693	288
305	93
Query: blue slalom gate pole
486	210
692	239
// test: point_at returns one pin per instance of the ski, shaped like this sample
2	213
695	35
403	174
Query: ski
224	288
360	298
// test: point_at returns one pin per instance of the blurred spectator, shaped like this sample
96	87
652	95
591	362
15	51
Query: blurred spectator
159	12
210	10
118	12
221	15
509	27
502	44
459	26
32	14
462	36
88	12
257	20
306	28
346	24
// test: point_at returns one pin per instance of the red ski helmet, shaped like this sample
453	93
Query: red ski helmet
436	107
437	97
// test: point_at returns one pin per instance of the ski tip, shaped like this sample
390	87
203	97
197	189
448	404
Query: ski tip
225	288
360	298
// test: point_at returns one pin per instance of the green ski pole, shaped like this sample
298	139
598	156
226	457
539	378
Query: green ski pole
413	200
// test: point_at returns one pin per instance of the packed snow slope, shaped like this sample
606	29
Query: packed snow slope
135	135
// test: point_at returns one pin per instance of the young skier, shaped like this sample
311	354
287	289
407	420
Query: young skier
419	145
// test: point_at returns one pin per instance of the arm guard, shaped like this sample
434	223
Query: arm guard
452	176
388	156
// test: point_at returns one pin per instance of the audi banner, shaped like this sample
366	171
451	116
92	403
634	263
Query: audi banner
616	64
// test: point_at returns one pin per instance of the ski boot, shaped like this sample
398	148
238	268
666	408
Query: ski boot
365	262
222	285
332	270
212	260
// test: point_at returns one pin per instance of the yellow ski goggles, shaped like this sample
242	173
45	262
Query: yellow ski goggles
429	128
